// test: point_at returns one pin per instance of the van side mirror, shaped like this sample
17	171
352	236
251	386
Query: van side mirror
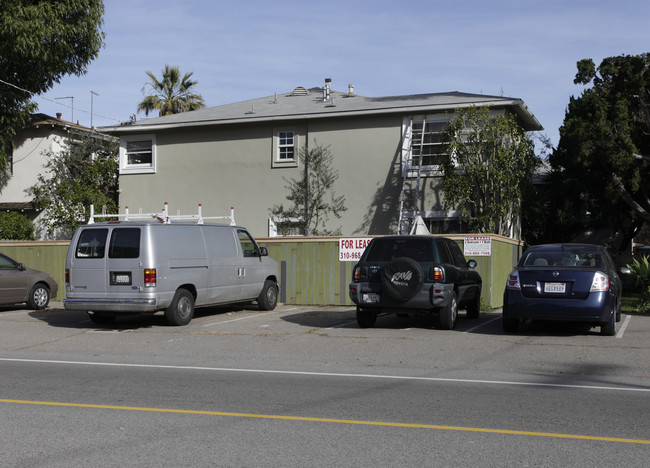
264	252
472	263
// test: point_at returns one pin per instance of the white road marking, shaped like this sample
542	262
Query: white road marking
623	327
481	325
331	374
238	319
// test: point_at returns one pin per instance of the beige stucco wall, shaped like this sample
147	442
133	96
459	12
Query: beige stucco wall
223	166
29	159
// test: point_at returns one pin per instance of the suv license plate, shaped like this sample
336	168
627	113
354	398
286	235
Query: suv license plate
555	287
370	297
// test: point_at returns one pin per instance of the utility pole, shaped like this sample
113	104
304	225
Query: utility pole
92	93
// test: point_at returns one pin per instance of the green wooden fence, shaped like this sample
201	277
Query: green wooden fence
310	270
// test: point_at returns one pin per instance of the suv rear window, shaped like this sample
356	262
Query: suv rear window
386	250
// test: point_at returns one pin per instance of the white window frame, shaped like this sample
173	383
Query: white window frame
409	161
278	146
274	226
125	167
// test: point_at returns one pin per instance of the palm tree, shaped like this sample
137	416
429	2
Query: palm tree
171	95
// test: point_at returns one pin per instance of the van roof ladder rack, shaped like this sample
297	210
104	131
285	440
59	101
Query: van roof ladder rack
164	216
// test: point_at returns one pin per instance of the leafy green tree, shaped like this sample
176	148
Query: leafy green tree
84	173
16	226
492	162
312	196
40	42
602	161
172	94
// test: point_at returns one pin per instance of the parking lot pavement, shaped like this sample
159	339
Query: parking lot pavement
328	339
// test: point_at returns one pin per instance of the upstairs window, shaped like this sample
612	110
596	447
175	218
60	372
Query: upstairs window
138	154
286	146
427	143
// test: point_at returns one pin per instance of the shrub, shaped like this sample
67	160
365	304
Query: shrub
640	270
15	226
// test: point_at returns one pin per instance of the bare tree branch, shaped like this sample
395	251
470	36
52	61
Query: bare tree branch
627	197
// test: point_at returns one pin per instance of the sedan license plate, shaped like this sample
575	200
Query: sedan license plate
370	297
555	288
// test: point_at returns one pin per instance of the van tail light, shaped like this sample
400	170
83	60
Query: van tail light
360	273
513	281
600	282
436	273
67	276
150	278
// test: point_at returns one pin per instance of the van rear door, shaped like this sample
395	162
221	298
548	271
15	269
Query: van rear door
124	265
87	262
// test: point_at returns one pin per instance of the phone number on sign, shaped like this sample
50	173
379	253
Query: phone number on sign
350	255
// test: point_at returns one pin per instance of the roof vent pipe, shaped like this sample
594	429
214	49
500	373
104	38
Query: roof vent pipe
326	89
350	90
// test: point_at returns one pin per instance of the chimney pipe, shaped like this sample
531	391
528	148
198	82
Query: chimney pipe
326	89
58	115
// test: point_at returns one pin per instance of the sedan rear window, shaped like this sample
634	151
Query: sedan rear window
567	258
386	250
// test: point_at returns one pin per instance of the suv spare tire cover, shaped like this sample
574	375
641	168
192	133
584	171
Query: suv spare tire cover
401	279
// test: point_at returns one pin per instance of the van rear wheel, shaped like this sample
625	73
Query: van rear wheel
181	310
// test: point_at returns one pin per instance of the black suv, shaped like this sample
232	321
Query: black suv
415	275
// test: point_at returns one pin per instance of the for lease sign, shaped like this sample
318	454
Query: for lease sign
475	246
351	248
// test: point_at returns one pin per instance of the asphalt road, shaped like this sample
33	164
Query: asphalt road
304	386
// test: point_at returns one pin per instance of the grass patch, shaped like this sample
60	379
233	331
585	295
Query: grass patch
631	303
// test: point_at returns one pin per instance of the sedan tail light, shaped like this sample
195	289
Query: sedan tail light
600	282
513	281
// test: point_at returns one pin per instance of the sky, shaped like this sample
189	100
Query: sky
247	49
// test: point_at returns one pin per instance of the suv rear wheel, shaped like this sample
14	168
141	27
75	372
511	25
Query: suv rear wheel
366	318
449	313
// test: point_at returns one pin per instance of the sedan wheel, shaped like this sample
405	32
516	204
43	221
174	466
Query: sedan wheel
39	297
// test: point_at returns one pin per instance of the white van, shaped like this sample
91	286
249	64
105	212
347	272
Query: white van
119	267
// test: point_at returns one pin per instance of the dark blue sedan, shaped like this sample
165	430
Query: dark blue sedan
564	282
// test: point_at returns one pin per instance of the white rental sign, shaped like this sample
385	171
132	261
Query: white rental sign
477	246
351	248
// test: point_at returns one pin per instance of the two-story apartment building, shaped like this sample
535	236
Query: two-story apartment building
243	154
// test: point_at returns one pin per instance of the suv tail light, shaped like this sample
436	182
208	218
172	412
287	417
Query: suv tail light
513	281
600	282
150	277
360	273
436	273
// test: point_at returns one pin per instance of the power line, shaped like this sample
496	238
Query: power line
57	103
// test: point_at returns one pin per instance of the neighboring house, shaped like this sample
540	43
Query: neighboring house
44	135
243	154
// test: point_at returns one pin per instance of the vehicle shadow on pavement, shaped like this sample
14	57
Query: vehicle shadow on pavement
346	318
79	320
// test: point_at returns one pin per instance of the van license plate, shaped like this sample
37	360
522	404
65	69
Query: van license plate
555	288
370	297
120	278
